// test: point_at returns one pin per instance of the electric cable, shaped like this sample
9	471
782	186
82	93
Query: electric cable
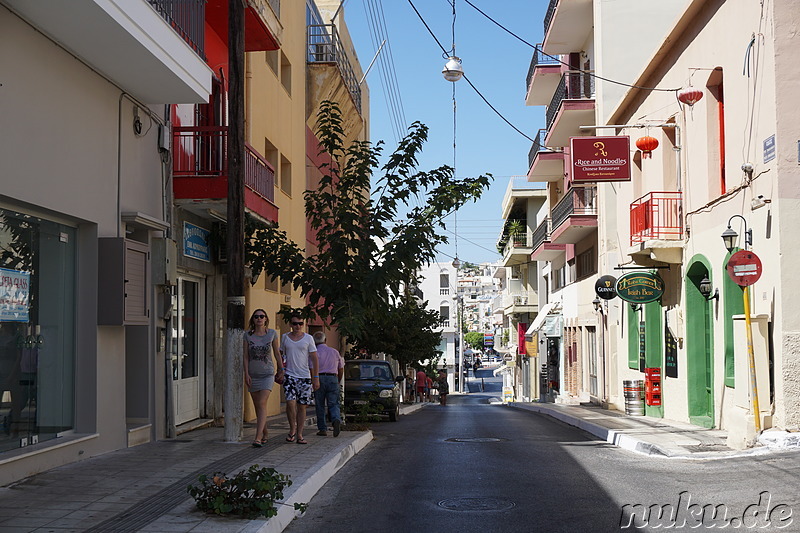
557	59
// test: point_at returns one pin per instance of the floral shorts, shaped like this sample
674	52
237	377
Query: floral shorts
297	389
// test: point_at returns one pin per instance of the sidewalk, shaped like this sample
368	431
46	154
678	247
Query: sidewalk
643	434
144	488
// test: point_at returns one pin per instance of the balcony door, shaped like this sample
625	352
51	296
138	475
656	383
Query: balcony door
188	348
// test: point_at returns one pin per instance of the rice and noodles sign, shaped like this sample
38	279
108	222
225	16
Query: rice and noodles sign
600	158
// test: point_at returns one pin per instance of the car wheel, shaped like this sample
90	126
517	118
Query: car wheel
393	414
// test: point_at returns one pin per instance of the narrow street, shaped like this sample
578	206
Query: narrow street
479	466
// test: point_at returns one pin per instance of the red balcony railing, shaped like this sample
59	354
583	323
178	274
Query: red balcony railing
656	215
202	152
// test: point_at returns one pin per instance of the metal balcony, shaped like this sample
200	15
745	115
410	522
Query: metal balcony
575	215
323	45
574	85
542	233
200	169
539	59
187	18
657	216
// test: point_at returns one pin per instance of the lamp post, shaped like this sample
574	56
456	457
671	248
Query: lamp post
730	238
459	313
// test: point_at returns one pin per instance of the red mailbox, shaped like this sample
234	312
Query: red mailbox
652	386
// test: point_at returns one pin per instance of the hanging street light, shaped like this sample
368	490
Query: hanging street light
453	71
730	237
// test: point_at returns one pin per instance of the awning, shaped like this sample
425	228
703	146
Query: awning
502	369
512	349
538	322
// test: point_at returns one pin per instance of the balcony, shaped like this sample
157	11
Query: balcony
520	302
200	172
656	225
543	249
575	215
572	105
324	47
567	25
262	27
543	76
148	49
544	164
516	247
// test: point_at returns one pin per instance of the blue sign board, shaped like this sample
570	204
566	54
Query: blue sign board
769	148
195	242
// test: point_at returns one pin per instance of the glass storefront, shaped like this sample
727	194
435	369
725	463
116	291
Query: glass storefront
37	329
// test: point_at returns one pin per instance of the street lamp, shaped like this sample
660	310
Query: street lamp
597	303
453	71
705	289
730	237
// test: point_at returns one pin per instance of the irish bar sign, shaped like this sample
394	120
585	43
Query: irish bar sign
600	158
640	287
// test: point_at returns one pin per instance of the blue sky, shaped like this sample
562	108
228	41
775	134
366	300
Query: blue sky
497	65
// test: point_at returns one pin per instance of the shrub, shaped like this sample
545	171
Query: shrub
249	494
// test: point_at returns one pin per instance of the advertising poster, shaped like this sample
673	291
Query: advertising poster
14	295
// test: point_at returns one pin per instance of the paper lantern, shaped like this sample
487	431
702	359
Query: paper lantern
690	95
646	144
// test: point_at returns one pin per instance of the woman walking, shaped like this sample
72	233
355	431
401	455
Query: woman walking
260	350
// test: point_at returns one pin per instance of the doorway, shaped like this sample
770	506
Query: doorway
188	304
699	346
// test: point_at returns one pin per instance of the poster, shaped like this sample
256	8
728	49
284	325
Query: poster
14	295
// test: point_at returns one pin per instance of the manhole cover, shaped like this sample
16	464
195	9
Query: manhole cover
475	439
476	504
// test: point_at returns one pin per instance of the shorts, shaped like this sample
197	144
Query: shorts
298	389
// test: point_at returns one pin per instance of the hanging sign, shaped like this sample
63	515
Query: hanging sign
744	268
195	242
606	287
640	287
600	158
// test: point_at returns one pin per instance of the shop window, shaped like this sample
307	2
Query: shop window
37	328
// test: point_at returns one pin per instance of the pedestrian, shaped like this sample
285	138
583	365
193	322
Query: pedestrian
331	369
444	388
422	384
302	376
260	350
428	388
410	385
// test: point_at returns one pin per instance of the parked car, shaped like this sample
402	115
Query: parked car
370	382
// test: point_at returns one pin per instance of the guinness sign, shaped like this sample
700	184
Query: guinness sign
606	287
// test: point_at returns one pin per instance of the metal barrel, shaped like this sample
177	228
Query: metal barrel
634	401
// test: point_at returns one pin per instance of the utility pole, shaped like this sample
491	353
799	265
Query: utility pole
234	367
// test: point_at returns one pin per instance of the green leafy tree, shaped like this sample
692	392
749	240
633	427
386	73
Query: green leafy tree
367	249
474	339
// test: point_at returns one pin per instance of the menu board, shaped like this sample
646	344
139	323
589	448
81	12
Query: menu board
642	350
670	354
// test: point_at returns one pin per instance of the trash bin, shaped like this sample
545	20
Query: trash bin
634	401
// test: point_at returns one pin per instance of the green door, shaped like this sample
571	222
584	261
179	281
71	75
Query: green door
699	346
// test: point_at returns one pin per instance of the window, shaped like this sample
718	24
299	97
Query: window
444	315
37	328
559	277
272	60
585	264
286	73
286	176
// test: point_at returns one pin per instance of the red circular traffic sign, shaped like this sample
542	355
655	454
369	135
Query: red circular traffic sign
744	268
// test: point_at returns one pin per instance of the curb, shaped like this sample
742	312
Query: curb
617	438
323	470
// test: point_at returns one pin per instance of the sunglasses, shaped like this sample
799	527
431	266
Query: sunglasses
259	316
297	323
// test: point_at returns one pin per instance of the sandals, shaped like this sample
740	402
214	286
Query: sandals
257	444
290	437
301	440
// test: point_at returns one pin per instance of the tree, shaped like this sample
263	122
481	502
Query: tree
367	249
475	340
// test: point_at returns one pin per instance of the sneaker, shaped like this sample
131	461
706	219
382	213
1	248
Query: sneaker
322	433
337	427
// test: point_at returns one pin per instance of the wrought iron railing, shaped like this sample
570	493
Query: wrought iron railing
541	234
325	46
574	85
656	215
577	201
537	146
539	58
202	152
187	18
548	17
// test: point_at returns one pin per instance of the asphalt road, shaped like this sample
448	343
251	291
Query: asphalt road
475	466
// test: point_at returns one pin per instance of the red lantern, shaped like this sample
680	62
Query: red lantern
690	95
646	144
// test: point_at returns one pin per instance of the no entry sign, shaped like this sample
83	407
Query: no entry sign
744	268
